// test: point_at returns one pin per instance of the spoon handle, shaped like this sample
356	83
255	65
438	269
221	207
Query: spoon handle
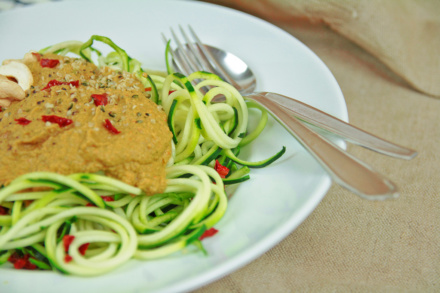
345	169
336	126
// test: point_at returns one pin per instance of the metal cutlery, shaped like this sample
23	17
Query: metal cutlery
345	169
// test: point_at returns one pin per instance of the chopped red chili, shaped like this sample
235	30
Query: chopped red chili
75	83
51	63
55	82
29	265
1	109
100	99
23	121
68	258
62	122
21	261
110	127
104	198
208	233
37	55
3	211
83	248
148	89
67	240
14	257
107	198
221	170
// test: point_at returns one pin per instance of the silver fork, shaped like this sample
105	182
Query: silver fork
345	169
202	57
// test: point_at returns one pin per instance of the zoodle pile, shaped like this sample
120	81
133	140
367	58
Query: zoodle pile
88	224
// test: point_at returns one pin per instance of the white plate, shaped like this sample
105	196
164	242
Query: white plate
263	210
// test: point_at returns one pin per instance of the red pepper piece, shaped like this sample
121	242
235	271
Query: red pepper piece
21	261
3	211
83	248
221	170
75	83
37	55
1	109
29	265
208	233
23	121
51	63
67	240
110	127
55	82
14	257
62	122
19	264
107	198
68	258
104	198
100	99
52	83
148	89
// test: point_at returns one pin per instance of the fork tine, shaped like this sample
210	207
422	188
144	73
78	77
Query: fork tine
193	54
204	55
181	56
179	63
175	59
195	57
197	51
212	61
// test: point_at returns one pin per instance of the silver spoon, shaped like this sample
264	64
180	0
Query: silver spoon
238	73
346	170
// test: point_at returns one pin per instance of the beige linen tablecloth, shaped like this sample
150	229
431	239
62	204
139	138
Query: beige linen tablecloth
385	56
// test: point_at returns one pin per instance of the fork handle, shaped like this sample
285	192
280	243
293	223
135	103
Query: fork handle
345	169
336	126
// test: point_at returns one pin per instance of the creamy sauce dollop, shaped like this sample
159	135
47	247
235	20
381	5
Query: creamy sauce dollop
136	151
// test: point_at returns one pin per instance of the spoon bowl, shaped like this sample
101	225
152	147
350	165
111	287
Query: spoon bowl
232	67
345	169
236	68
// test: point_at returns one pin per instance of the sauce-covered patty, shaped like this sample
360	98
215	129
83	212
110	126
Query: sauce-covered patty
78	118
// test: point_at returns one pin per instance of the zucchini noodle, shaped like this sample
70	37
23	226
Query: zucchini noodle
89	224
